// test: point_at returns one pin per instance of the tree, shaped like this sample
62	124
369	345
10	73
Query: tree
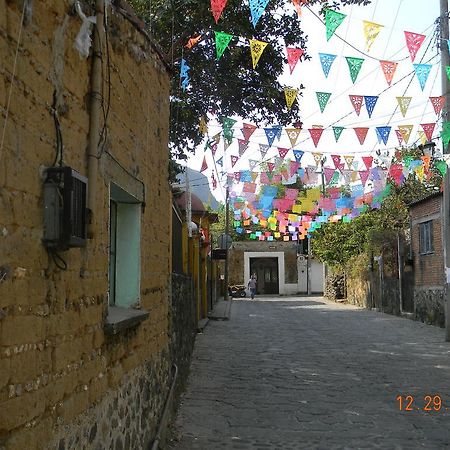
229	86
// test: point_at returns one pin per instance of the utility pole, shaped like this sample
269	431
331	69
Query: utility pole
227	231
445	61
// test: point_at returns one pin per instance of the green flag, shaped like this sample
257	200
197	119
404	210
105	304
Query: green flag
322	98
354	65
222	41
332	20
337	132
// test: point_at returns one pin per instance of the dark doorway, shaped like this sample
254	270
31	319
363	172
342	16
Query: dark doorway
266	270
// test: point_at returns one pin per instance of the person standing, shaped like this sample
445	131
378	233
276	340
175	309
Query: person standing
252	286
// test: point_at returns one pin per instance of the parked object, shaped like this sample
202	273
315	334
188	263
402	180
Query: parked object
237	290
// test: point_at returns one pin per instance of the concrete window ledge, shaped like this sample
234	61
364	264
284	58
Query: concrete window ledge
120	319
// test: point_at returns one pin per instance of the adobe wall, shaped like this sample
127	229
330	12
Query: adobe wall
58	369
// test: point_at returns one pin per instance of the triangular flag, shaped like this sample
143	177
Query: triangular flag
256	49
278	129
257	8
370	101
403	103
204	165
298	155
438	103
222	41
247	130
441	166
447	70
278	160
217	6
322	98
349	160
203	127
271	166
263	149
213	148
293	134
234	160
271	135
422	72
337	132
413	42
361	133
193	41
282	152
422	137
357	101
383	133
328	172
252	163
220	161
326	60
316	134
445	133
363	174
243	145
371	31
216	138
426	162
399	136
293	167
367	160
332	20
227	129
293	55
428	129
317	157
405	131
291	95
336	160
354	65
388	68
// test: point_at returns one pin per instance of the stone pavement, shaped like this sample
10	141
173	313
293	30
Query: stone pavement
305	373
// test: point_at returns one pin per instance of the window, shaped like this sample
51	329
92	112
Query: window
426	237
124	254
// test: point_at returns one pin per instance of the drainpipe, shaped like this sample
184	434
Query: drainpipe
95	112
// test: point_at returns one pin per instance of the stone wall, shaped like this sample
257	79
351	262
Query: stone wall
57	366
429	306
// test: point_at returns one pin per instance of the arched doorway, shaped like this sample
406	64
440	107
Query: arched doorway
266	270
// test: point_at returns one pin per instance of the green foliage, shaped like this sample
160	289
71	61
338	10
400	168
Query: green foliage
230	86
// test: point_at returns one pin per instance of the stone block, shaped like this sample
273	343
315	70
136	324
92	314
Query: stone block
18	330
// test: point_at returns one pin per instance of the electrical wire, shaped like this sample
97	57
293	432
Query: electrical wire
59	261
59	140
8	103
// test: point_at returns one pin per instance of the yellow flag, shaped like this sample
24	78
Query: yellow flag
256	48
403	103
317	158
422	137
293	134
203	127
371	31
420	172
291	95
313	194
405	131
254	176
349	160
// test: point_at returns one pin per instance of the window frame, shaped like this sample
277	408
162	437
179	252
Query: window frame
426	238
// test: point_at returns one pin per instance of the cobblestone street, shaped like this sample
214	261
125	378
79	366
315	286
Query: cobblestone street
296	372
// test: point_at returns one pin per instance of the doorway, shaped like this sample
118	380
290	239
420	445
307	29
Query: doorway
266	270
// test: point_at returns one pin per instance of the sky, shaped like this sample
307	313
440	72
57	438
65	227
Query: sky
396	16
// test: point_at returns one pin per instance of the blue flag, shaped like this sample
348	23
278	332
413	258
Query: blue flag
326	60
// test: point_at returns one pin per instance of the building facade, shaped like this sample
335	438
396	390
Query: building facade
85	334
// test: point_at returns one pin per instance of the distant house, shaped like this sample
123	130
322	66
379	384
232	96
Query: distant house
280	267
428	259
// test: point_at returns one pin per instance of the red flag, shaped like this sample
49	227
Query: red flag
399	136
316	134
363	174
234	160
438	103
204	165
293	167
428	129
361	133
388	68
217	6
293	55
357	101
336	160
271	166
413	42
282	151
367	160
247	130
